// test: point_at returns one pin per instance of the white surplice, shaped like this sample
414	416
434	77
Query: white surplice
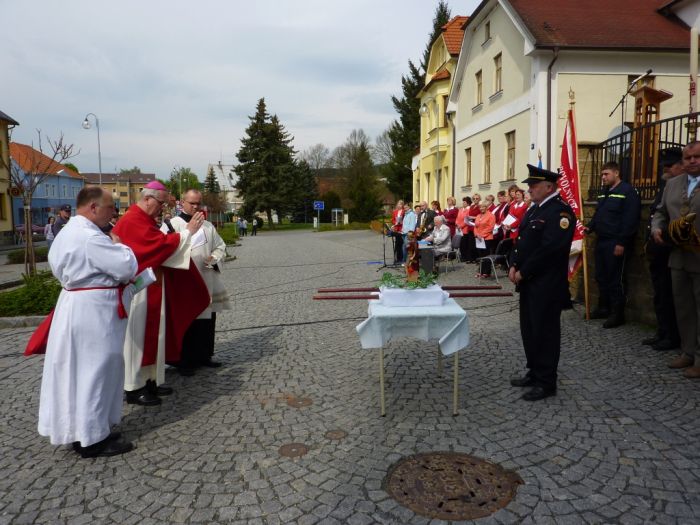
83	380
135	373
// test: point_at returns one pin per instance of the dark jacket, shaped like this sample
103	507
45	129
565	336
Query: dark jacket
617	215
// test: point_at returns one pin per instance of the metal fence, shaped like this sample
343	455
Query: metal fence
641	153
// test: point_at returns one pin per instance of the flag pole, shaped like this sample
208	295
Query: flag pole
584	260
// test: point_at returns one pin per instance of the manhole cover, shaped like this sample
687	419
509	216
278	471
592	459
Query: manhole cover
451	486
299	402
293	450
336	434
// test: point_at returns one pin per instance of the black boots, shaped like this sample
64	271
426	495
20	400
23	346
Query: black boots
616	317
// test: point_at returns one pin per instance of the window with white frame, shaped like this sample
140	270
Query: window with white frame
479	85
468	167
510	155
497	82
487	162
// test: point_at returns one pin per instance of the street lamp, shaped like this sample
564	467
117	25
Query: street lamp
424	111
86	125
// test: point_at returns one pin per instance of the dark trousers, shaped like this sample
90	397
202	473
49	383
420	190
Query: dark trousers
198	343
540	327
664	309
398	247
485	266
467	247
609	272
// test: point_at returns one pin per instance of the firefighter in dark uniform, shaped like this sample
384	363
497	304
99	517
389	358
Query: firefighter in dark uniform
539	269
615	224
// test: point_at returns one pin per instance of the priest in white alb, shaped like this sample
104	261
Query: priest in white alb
81	388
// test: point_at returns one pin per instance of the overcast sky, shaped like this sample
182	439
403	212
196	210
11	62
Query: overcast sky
173	82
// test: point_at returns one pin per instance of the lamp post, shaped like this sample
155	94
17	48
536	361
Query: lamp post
86	125
423	111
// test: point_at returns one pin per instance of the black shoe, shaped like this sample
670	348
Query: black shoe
526	380
665	344
537	392
158	390
210	363
600	313
185	371
142	397
651	341
105	448
113	436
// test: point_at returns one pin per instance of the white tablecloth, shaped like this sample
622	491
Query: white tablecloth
448	323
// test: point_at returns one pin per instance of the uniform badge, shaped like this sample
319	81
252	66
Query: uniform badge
564	223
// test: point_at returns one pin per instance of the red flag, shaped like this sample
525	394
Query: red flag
569	189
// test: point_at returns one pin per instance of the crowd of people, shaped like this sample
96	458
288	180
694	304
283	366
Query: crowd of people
476	229
107	334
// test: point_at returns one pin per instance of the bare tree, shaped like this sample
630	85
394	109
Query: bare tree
28	171
316	156
382	153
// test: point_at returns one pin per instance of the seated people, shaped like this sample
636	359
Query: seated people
440	237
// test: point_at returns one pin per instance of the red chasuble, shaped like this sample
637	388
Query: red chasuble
152	248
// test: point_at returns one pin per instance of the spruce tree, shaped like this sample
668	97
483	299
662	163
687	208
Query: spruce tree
211	185
363	185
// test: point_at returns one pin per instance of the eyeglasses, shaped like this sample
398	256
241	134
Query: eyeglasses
157	200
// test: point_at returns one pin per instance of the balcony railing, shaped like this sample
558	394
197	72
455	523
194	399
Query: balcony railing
641	153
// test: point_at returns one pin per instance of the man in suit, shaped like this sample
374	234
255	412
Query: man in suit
539	269
425	220
682	196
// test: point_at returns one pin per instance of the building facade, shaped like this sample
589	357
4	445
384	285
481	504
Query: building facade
57	184
125	187
227	180
6	222
433	177
521	59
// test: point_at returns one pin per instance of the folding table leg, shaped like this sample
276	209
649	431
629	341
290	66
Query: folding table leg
381	382
455	386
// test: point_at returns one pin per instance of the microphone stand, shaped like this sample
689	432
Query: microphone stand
621	102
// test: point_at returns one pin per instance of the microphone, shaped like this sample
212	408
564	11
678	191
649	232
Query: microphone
640	77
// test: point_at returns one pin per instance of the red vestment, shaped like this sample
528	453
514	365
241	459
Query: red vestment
152	248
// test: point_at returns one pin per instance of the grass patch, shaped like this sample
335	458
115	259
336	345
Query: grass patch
229	233
37	296
41	254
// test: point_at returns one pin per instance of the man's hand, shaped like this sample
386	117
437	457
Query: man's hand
195	222
514	275
656	235
619	250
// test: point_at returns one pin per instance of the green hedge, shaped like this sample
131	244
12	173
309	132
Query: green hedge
37	296
229	233
41	254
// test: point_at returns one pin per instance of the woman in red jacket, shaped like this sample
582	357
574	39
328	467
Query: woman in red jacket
517	211
450	215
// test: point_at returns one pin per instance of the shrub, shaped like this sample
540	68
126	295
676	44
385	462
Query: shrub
37	296
229	233
41	253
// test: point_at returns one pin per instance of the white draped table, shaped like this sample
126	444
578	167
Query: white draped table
447	323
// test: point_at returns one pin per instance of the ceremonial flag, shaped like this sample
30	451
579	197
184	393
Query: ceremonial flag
569	186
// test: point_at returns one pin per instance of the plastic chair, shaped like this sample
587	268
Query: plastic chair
498	257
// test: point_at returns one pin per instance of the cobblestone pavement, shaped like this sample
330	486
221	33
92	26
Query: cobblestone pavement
620	443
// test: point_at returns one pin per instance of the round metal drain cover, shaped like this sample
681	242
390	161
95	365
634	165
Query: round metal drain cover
451	486
336	434
299	402
293	450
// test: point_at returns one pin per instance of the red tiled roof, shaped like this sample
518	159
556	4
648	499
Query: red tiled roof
606	24
453	33
32	161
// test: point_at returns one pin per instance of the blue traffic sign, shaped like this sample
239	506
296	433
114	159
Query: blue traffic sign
318	205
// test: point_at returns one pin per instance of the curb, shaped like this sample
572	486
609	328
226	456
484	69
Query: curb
21	322
10	284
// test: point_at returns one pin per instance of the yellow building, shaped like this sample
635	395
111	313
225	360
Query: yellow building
125	187
520	59
6	226
432	173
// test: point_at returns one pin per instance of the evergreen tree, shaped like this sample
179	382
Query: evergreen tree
404	133
211	184
305	193
266	170
363	186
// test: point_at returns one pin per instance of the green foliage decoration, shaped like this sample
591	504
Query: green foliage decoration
390	280
37	296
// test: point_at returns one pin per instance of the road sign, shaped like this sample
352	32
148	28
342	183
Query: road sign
318	205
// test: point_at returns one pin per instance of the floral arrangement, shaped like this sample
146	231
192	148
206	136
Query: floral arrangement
390	280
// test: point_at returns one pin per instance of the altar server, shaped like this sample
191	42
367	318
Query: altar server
81	388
